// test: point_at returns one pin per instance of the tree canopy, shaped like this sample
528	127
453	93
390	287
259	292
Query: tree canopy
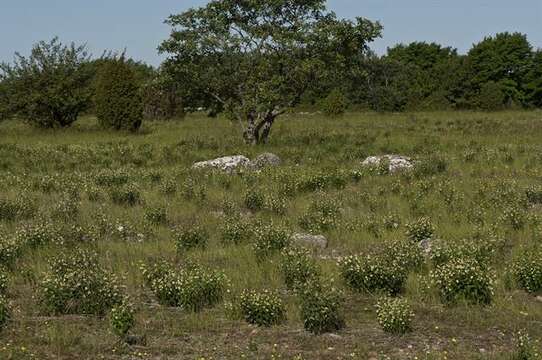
255	59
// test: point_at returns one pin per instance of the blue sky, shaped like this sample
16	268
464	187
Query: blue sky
138	24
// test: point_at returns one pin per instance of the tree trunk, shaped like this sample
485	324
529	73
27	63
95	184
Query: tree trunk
258	133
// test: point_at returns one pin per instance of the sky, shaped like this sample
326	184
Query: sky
138	25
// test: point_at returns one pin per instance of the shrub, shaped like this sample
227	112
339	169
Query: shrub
122	318
404	254
236	230
50	88
192	289
19	209
156	215
269	239
297	267
534	194
10	249
463	279
118	102
491	96
527	270
420	229
334	104
3	281
262	308
514	216
5	312
525	348
478	250
67	208
127	195
394	315
373	273
323	215
432	165
187	238
77	284
254	200
321	309
37	234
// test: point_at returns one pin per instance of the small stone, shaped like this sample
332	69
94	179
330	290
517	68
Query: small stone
318	241
265	160
136	340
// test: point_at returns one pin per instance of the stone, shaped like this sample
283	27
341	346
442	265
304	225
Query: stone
397	163
227	163
265	160
318	241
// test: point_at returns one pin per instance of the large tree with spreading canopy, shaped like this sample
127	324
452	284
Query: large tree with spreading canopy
254	59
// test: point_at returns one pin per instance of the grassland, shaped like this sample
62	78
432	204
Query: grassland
477	169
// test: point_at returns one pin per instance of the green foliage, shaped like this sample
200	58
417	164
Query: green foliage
254	199
236	230
321	308
122	318
18	209
3	281
192	289
128	195
527	270
373	273
270	239
491	97
323	214
156	215
117	100
190	237
262	308
77	284
334	104
10	249
525	348
463	279
161	98
50	88
394	315
298	268
420	229
5	311
262	65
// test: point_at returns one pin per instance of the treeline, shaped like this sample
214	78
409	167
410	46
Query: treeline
57	83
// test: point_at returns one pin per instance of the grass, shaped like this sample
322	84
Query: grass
477	198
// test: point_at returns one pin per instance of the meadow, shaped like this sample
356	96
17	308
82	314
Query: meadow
201	264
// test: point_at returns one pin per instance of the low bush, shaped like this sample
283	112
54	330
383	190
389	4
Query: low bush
236	230
127	195
527	270
78	284
122	318
298	268
192	289
321	308
270	239
322	215
5	311
334	104
190	237
463	279
254	200
156	215
420	229
373	273
394	315
10	249
262	308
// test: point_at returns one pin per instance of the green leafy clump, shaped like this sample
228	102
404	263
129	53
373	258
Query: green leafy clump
270	239
527	270
372	273
156	215
525	348
3	281
51	87
126	195
236	230
18	209
421	229
5	311
394	315
323	214
190	237
38	233
117	100
192	289
10	249
534	194
321	308
298	268
122	318
78	284
335	104
254	200
262	308
463	279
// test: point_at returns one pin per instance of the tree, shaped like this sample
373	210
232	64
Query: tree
421	54
50	87
533	85
117	99
254	59
505	59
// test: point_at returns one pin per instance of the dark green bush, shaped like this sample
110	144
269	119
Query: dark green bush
51	87
321	309
262	308
334	104
118	102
